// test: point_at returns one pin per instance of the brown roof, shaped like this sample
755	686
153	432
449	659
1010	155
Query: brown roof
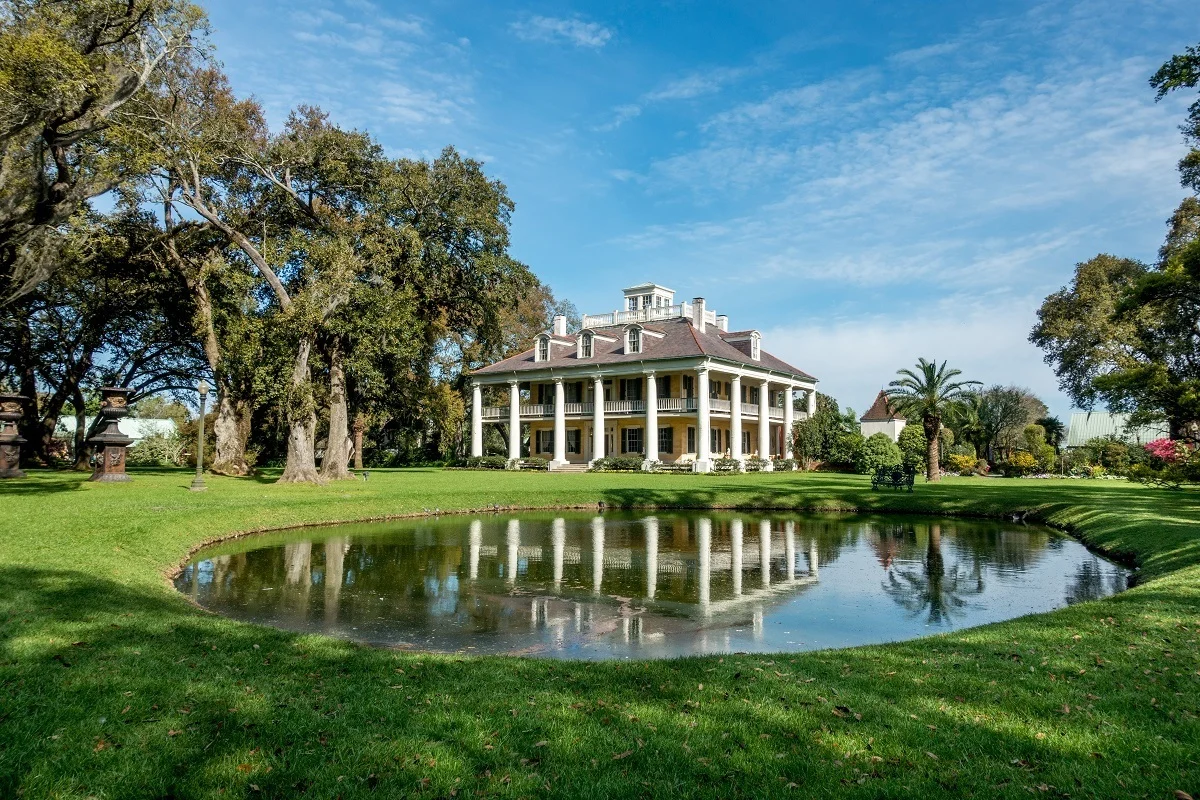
881	410
680	340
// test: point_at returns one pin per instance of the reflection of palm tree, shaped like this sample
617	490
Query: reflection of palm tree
933	591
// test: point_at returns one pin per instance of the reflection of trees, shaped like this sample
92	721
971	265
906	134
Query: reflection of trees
1091	583
933	591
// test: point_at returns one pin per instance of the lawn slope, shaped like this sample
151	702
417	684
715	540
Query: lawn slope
112	685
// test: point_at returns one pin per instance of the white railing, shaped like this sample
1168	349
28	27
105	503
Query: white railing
749	409
625	406
537	410
718	405
578	409
645	315
682	404
494	412
775	413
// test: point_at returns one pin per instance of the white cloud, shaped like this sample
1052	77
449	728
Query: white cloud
557	29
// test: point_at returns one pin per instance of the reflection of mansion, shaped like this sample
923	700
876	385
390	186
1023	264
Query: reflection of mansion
661	380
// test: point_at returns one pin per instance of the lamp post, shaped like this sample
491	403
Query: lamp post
198	481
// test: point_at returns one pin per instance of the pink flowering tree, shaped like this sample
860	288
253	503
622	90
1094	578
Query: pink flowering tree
1163	449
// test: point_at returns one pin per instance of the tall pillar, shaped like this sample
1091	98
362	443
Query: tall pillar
789	422
597	553
514	420
703	422
764	422
476	420
789	549
812	402
474	545
651	419
560	424
651	556
704	543
558	537
813	567
735	555
598	419
735	419
513	539
764	551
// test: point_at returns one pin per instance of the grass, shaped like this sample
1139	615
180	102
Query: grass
112	685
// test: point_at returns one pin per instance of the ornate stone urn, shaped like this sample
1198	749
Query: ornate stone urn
109	442
12	408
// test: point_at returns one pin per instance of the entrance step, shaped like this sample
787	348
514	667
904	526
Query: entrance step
570	468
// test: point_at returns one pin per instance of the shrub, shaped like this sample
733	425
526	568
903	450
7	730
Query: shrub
982	467
961	463
618	464
159	450
878	451
784	464
914	447
1165	450
533	463
1020	463
725	465
756	464
486	462
1110	453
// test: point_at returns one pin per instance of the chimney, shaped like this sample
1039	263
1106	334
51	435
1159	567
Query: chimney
560	325
698	314
723	322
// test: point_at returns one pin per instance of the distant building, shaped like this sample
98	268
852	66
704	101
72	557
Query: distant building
882	418
1088	425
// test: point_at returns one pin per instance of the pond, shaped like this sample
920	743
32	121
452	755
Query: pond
638	585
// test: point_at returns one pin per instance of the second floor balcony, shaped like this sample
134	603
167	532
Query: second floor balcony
666	405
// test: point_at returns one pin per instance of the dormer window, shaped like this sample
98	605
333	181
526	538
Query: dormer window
633	341
543	348
754	346
586	344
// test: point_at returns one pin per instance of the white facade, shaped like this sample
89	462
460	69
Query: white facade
891	427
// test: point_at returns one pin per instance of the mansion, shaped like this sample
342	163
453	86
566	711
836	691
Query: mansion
664	381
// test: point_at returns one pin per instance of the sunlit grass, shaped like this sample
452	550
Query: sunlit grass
114	686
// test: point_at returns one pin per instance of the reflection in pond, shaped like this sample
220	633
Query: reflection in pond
624	585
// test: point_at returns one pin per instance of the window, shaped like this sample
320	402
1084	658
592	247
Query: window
689	386
633	304
631	440
691	440
754	395
585	345
574	439
543	349
666	440
631	388
635	341
545	441
664	386
647	301
745	442
715	440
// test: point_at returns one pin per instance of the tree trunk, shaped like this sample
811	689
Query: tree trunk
933	426
81	454
337	450
232	431
301	466
360	425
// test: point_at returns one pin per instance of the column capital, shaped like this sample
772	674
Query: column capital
558	380
702	368
514	382
648	373
476	384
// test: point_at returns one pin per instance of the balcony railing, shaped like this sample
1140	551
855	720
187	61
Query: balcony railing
718	405
645	315
677	405
775	413
749	410
681	405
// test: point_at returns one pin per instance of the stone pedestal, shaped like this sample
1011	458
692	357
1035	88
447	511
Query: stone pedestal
12	408
109	442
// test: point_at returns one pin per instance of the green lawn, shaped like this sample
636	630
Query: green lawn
112	685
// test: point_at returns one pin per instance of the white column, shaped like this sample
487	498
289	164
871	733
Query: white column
558	537
735	555
789	549
651	418
704	542
789	421
476	543
812	559
735	418
560	424
597	553
514	420
476	420
703	423
513	540
598	419
812	402
764	422
651	556
764	551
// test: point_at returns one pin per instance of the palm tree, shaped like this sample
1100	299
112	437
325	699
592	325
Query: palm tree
928	393
1055	431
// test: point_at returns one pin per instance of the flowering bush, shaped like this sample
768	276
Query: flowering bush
1021	463
961	463
1166	450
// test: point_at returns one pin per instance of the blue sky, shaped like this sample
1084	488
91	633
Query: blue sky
865	183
